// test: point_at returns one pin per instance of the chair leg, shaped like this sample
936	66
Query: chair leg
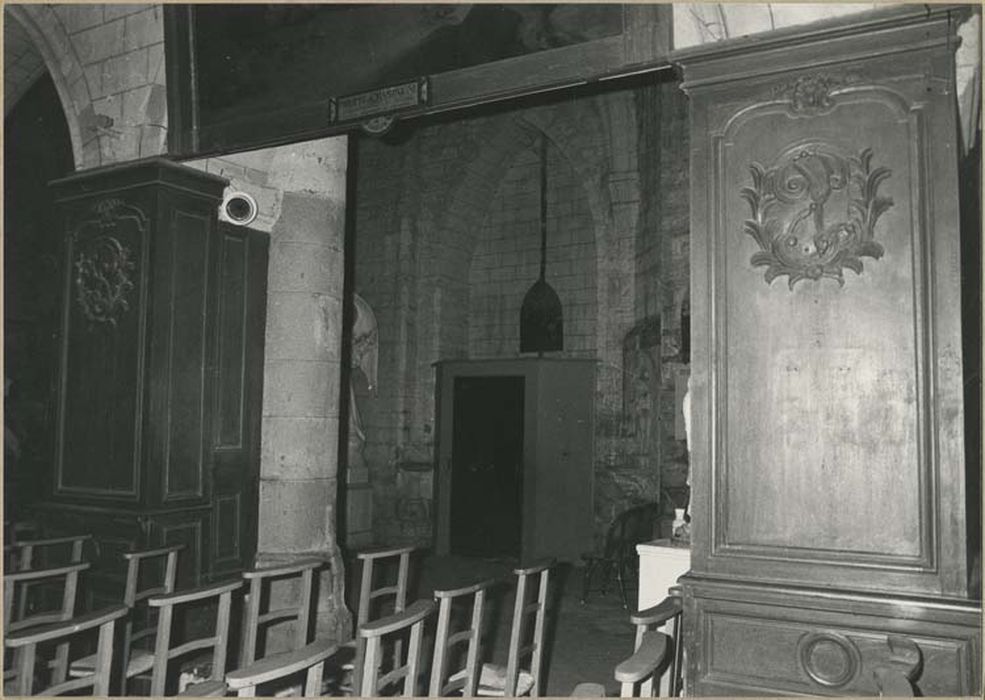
586	582
621	579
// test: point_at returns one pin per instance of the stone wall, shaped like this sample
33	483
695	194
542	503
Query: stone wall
506	261
447	244
107	62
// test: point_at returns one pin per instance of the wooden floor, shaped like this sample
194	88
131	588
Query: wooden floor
585	641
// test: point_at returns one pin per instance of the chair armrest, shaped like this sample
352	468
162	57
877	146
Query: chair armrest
143	554
465	590
280	665
383	552
34	574
534	568
52	540
62	629
659	613
194	594
646	660
414	612
293	567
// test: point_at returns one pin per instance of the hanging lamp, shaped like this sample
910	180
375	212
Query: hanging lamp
541	317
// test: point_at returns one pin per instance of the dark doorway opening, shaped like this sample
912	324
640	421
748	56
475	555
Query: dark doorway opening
487	466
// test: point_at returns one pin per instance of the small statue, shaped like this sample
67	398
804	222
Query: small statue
365	357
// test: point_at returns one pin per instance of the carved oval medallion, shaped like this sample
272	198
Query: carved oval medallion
830	659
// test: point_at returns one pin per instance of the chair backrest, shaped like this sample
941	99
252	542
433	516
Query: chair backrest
38	553
531	582
26	641
137	627
630	528
665	615
219	594
15	590
254	620
388	632
16	530
311	658
447	642
369	594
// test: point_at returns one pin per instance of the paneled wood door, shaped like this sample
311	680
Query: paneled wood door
487	466
240	317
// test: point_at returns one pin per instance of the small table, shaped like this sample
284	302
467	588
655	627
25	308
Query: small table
661	564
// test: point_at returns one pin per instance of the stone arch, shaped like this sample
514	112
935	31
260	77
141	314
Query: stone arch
45	30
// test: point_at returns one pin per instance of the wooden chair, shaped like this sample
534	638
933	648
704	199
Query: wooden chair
25	643
446	643
372	562
276	667
254	620
657	651
618	555
390	630
46	553
513	681
372	594
219	594
15	589
136	658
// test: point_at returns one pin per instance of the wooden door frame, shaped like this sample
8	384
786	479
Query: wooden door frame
446	373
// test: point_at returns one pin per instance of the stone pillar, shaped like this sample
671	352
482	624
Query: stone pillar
300	192
299	457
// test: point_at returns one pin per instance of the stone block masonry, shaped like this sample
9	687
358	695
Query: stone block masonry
448	243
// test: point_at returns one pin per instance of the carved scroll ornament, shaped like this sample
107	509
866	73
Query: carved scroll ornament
814	213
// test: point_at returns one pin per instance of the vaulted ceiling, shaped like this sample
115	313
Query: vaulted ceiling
22	63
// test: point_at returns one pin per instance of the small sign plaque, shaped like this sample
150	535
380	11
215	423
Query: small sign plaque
379	102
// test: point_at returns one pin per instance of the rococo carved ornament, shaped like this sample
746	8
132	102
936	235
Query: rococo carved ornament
811	94
814	213
103	279
104	266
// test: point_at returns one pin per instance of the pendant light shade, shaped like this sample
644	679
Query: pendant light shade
541	316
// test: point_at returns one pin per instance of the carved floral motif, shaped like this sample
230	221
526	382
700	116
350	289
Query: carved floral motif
104	266
811	94
103	270
814	213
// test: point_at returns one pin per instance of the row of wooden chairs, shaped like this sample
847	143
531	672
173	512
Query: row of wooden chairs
158	601
463	641
372	668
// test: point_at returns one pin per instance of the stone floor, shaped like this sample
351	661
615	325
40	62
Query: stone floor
585	641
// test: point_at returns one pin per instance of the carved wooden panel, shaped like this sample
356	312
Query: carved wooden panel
98	451
842	469
189	251
825	308
240	302
232	362
760	641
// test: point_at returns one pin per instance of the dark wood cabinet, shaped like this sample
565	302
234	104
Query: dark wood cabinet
828	469
157	430
515	457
